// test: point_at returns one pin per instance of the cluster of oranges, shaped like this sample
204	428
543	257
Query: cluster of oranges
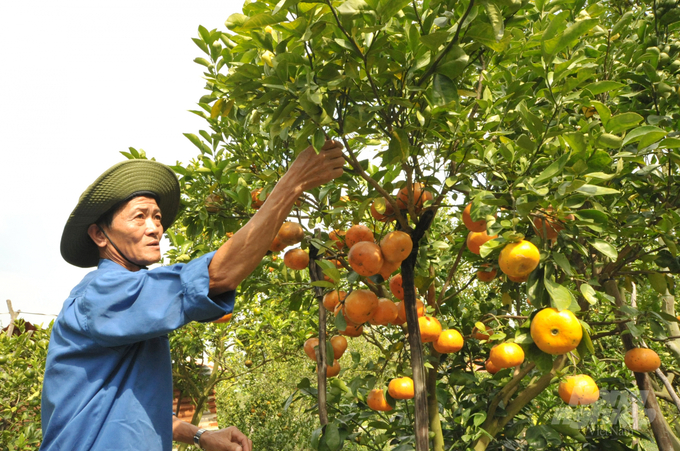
289	234
339	345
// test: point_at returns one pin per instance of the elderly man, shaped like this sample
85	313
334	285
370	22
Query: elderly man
108	380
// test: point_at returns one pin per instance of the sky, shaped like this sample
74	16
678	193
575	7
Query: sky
80	82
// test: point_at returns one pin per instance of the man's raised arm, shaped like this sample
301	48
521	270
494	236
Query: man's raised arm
241	254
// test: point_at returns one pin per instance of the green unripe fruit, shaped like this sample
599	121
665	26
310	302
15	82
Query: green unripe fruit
609	140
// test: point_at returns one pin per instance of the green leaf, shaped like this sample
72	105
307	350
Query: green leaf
604	248
455	63
443	90
496	18
622	122
595	216
332	437
560	295
576	141
647	134
603	111
562	262
670	143
658	282
588	293
532	122
389	8
351	7
594	190
340	322
602	86
322	284
555	168
264	19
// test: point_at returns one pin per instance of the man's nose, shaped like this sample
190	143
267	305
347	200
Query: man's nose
153	227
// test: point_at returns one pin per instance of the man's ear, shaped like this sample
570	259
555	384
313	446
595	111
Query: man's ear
97	235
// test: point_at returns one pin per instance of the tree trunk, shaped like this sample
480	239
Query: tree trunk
315	273
433	406
668	306
660	429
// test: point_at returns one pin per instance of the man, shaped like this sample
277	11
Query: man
108	381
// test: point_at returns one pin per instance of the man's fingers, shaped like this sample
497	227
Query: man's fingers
330	143
241	438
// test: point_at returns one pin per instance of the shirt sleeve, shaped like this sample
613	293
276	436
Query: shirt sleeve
124	307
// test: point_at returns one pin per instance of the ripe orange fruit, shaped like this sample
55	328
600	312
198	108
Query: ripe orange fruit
339	344
519	259
365	258
398	321
548	225
225	319
476	239
388	268
420	196
340	307
376	401
332	370
337	263
360	306
338	237
486	276
473	226
578	390
213	203
491	368
396	246
450	340
309	346
420	308
479	335
277	245
256	203
331	299
291	233
506	355
383	217
352	330
385	314
519	279
556	332
396	288
401	388
296	259
358	233
430	328
642	360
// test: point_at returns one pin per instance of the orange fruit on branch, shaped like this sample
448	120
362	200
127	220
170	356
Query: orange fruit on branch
376	401
277	245
332	298
578	390
213	203
476	239
296	259
352	330
642	360
506	355
486	276
358	233
420	196
365	258
430	329
420	309
401	388
491	368
256	202
481	335
225	319
518	279
338	237
519	259
309	346
360	305
556	332
396	287
473	226
385	314
339	344
396	246
331	370
291	233
386	215
450	340
388	269
548	225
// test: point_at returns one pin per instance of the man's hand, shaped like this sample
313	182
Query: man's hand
310	170
229	439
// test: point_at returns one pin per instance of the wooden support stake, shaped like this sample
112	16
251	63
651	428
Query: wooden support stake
315	273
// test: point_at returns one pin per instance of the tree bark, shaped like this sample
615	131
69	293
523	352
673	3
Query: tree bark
315	273
660	429
416	346
433	406
668	306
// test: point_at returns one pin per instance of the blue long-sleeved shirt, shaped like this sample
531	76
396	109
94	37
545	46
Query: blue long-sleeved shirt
108	375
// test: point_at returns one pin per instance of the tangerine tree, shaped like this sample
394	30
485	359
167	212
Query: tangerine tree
533	140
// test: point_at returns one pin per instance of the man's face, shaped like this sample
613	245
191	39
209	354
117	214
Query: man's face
136	229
